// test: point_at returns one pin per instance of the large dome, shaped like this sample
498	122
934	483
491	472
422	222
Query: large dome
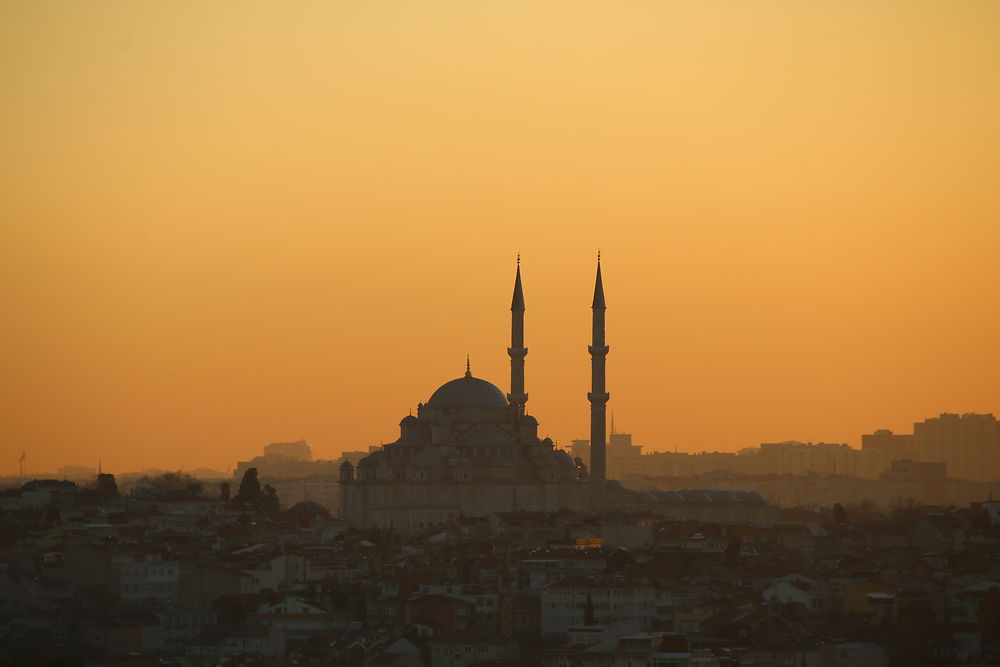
468	392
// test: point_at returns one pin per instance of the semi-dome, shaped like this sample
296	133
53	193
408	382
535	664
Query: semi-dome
562	457
468	392
372	459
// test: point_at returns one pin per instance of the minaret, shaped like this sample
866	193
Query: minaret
598	398
517	350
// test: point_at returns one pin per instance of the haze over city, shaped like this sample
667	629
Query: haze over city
225	228
500	334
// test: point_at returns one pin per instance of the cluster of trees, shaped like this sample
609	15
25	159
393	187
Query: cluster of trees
251	495
169	482
106	489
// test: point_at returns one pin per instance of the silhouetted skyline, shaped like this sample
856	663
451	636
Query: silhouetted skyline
222	232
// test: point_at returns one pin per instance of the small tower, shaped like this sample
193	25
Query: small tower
517	350
598	398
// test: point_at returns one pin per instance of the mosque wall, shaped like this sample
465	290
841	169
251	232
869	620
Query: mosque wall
410	506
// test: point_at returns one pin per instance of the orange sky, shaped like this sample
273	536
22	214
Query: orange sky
224	224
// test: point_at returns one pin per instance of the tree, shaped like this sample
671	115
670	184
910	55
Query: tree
839	515
249	494
169	481
269	499
107	487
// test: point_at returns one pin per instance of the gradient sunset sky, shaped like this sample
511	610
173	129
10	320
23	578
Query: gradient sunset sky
229	223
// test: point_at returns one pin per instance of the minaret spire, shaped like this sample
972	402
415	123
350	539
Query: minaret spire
517	350
598	398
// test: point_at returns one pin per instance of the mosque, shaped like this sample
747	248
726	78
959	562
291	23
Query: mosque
472	450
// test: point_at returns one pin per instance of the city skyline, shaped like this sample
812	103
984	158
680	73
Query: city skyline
225	228
495	363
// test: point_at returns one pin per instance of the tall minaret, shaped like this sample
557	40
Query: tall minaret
598	400
517	350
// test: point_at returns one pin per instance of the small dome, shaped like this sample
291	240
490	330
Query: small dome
409	420
719	496
562	457
752	498
307	507
468	392
646	497
668	496
528	420
695	496
346	465
372	459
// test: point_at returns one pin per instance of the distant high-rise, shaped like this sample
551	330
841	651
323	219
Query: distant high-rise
968	443
298	450
898	445
622	459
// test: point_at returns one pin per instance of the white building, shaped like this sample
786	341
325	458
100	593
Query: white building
146	577
615	600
